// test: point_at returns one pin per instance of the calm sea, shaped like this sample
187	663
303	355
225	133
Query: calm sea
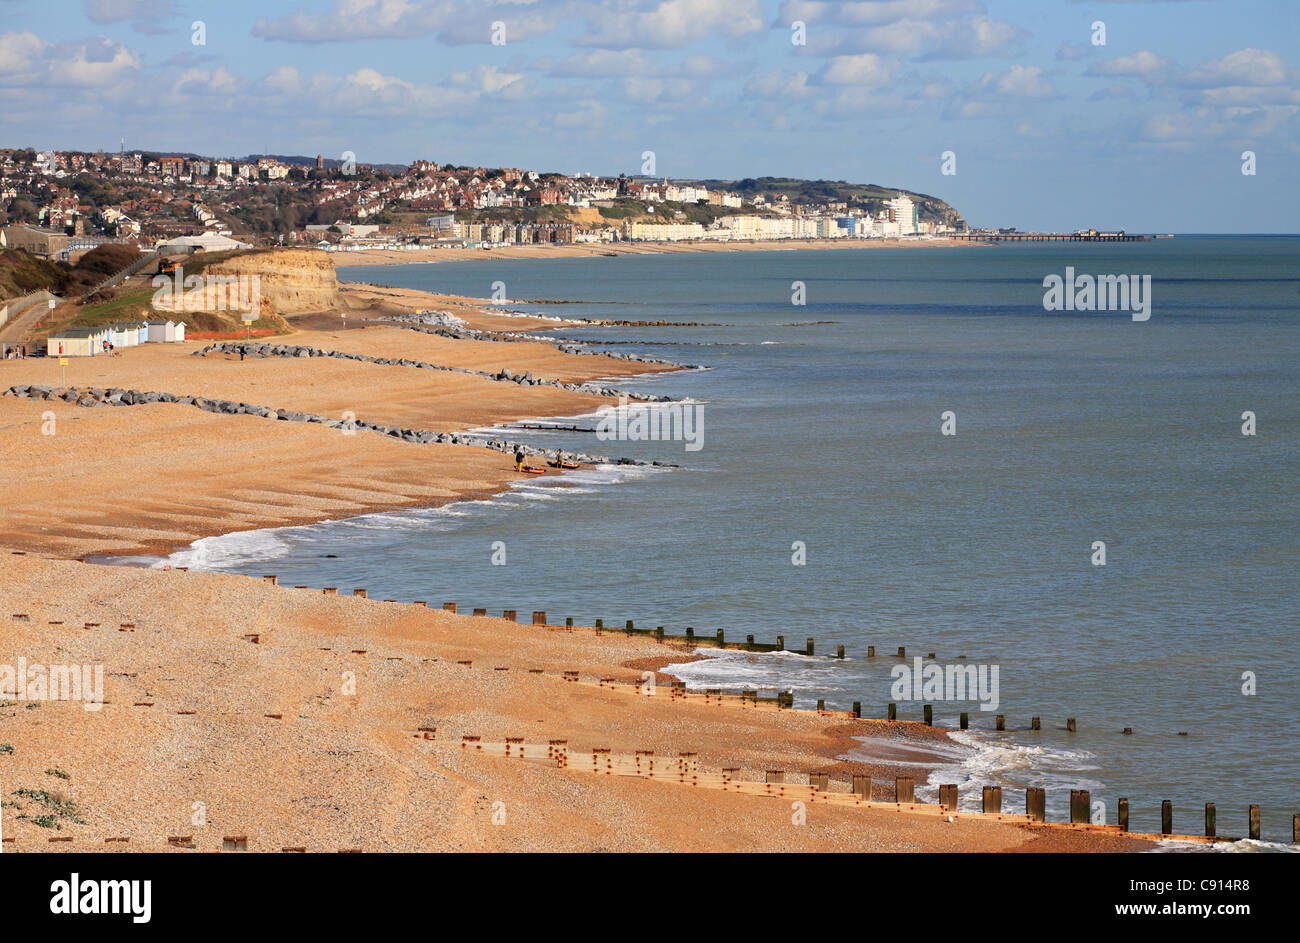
822	429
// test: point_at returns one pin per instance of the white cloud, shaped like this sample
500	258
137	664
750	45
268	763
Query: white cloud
930	29
1003	93
145	16
599	63
1020	81
21	53
819	14
26	60
364	20
777	84
488	80
865	69
658	24
1144	63
1250	67
976	38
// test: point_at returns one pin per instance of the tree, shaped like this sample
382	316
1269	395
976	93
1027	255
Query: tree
23	211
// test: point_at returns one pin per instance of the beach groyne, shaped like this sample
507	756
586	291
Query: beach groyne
445	324
504	375
113	397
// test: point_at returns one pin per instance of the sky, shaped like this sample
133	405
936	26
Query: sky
1040	114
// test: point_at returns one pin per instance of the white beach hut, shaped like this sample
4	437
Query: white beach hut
166	332
122	336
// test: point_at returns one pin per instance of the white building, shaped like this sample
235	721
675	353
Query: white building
905	213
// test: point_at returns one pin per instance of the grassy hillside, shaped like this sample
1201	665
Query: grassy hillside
21	272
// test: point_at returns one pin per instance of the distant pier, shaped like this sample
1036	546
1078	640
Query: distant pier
1051	237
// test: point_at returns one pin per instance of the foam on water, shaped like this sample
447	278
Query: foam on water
252	548
230	551
1243	846
972	759
993	760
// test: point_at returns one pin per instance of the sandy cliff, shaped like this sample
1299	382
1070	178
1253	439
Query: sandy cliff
292	280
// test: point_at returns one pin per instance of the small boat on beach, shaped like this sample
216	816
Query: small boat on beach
532	470
562	463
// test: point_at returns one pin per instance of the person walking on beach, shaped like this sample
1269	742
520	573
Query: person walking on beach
519	460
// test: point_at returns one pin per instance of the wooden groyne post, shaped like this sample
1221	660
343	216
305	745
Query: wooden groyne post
904	790
1036	803
1080	806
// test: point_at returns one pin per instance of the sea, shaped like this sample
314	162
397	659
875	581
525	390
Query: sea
903	448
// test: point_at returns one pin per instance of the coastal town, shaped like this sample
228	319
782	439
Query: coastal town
58	204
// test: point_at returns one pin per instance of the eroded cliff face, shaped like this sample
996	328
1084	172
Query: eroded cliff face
292	281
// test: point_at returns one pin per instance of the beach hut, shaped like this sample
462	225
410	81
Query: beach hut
77	342
142	332
166	332
122	336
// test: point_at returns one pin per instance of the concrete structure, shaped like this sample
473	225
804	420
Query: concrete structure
208	242
34	239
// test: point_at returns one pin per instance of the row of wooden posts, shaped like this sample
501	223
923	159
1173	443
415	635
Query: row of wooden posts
1035	797
1036	805
718	640
684	768
539	618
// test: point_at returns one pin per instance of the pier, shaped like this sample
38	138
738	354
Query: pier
1090	236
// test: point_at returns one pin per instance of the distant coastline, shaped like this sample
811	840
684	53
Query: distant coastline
593	250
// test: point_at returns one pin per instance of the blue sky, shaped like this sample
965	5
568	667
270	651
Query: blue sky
1049	129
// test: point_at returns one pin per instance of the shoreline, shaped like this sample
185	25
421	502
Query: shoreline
188	641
